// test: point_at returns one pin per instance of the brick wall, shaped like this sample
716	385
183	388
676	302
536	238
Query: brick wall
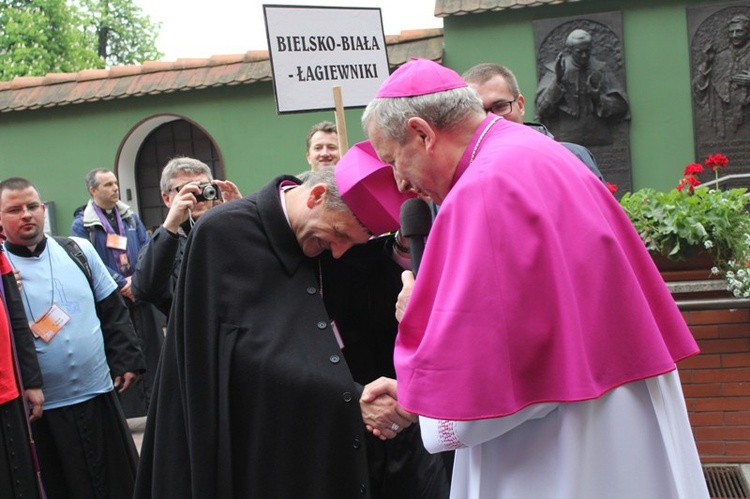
717	384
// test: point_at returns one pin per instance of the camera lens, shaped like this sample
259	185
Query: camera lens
209	192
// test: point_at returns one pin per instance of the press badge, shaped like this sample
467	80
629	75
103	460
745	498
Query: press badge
117	242
48	325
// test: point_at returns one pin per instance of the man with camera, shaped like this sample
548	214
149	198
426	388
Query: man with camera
118	236
188	190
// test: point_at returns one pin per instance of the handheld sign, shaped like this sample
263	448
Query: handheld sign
313	49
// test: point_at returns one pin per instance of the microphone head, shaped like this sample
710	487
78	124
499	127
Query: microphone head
416	218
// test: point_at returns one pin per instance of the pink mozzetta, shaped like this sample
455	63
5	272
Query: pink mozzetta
368	188
419	77
534	287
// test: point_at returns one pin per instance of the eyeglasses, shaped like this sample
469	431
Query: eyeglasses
19	210
178	187
501	108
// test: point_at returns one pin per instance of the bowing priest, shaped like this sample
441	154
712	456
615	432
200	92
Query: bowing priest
254	397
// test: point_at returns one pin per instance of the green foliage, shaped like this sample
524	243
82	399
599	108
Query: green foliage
38	37
679	223
120	31
52	36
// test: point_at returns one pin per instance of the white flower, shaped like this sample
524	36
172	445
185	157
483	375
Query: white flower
708	244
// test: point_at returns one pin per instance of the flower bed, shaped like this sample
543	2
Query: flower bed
692	218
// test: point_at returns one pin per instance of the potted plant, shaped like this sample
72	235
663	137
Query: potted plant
693	220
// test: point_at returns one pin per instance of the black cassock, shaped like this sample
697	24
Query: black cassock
360	293
253	398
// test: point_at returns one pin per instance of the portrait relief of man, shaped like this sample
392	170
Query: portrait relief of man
721	82
581	91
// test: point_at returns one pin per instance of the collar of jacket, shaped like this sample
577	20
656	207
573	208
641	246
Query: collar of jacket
90	218
280	235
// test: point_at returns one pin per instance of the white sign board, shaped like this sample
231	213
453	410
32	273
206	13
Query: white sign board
314	49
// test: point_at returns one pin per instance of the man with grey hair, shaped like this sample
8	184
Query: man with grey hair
498	88
118	236
514	347
158	266
579	95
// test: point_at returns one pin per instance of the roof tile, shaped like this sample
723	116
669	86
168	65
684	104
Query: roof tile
27	81
93	74
446	8
117	71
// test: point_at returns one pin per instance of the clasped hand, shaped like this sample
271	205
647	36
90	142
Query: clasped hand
381	412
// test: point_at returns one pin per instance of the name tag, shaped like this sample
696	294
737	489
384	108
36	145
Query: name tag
117	242
48	325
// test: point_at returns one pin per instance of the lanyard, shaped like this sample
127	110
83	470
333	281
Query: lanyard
105	221
52	283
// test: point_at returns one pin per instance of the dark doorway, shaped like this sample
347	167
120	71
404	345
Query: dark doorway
176	138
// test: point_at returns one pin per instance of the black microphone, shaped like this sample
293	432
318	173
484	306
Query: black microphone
416	221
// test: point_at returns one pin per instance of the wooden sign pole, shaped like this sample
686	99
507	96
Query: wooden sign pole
340	121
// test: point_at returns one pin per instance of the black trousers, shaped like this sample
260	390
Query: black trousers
86	451
17	474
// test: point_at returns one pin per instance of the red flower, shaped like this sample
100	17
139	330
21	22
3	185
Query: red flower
690	182
693	169
612	187
716	161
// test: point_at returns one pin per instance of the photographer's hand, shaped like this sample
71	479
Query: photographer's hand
179	210
229	191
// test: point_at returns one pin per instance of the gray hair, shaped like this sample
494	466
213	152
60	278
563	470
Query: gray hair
90	178
326	175
446	111
182	164
482	73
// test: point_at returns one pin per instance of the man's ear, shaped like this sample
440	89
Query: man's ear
165	198
521	103
92	190
423	130
317	195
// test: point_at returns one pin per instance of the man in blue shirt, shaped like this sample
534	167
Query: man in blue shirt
86	348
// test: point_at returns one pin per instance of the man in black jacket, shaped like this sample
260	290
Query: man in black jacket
158	266
254	397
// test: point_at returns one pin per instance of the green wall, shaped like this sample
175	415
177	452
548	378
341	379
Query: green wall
56	147
656	54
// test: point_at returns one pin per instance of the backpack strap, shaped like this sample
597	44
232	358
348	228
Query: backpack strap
76	254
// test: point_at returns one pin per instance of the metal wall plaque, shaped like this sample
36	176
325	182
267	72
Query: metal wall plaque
719	37
581	95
